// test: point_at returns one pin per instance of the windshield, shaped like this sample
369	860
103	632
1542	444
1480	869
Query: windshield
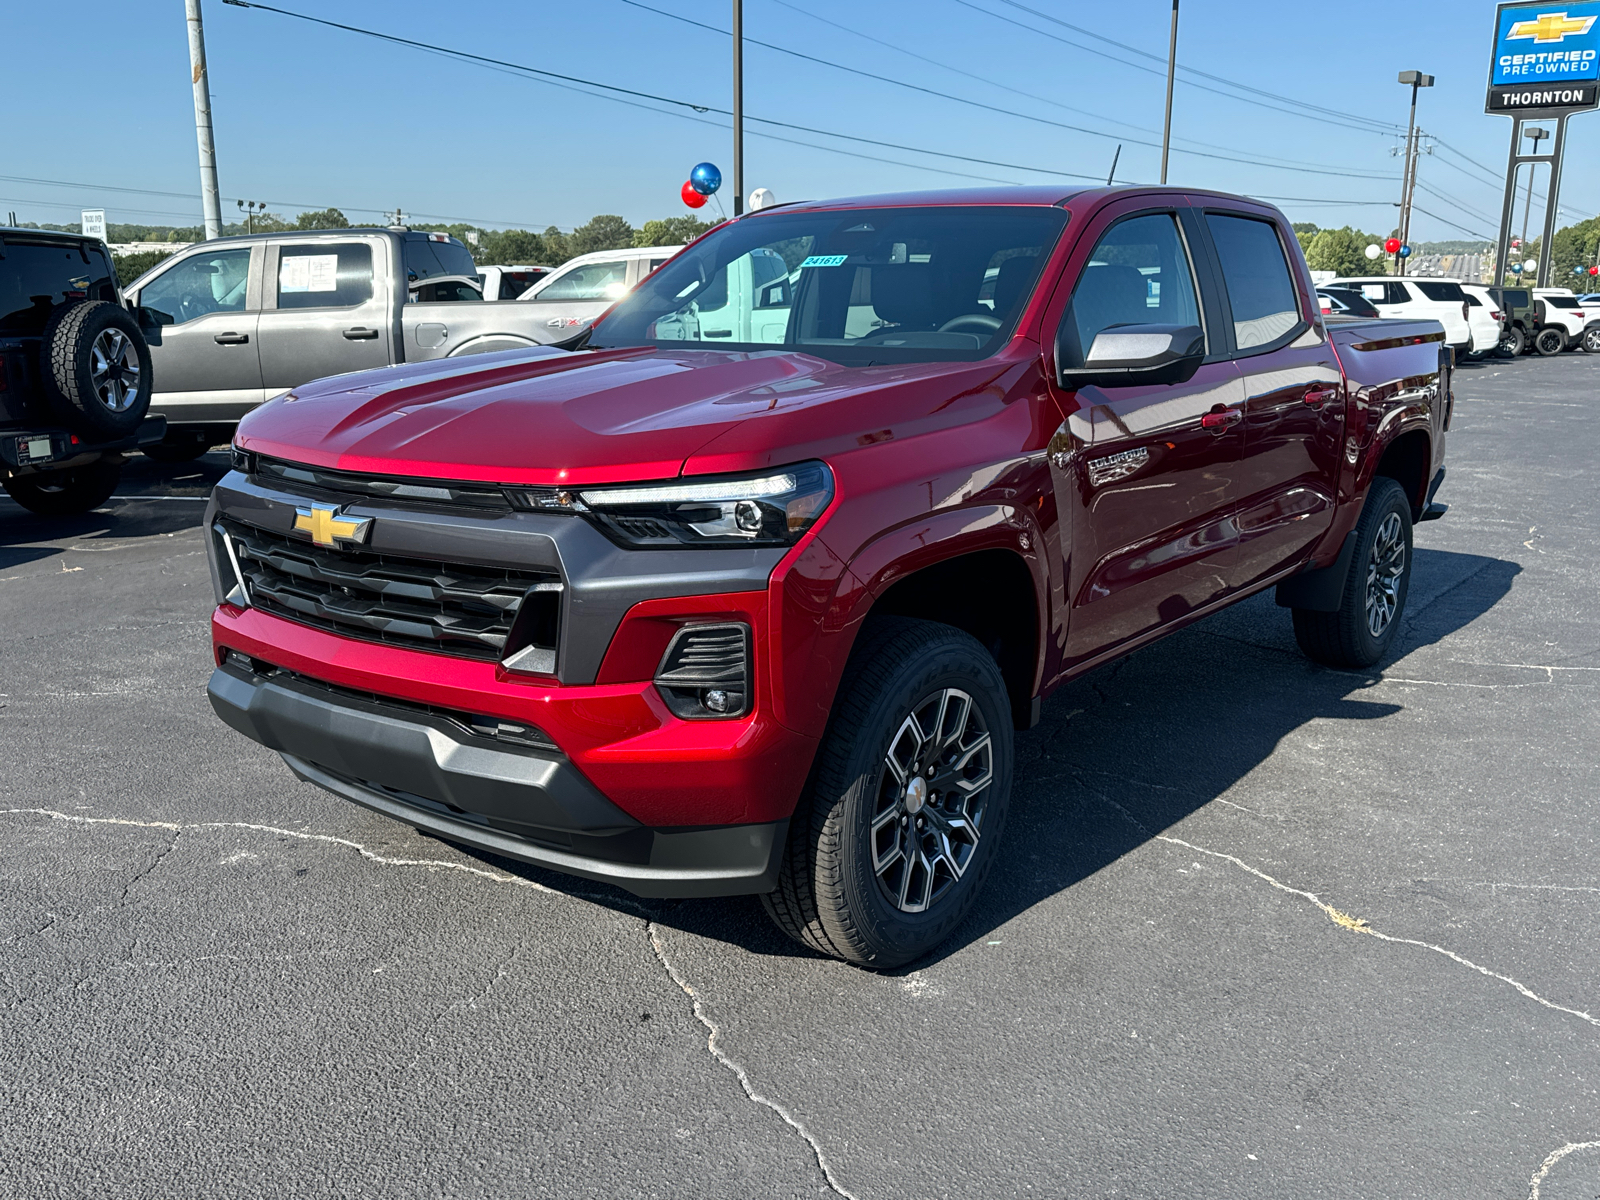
881	285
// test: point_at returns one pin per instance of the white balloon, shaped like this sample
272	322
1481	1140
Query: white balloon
761	198
1374	251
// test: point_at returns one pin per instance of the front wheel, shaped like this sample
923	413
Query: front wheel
901	820
1358	634
1591	340
64	493
1512	343
1550	341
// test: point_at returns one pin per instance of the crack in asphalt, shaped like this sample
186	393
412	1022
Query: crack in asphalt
154	863
1345	920
1551	1160
716	1051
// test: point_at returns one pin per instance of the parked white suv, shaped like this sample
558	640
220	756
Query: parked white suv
581	289
1483	316
1563	310
1440	300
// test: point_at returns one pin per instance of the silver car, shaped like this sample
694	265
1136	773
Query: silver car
234	321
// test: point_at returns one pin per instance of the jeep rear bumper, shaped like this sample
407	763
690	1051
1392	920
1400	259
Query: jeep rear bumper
523	799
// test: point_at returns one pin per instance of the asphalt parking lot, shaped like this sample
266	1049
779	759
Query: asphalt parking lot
1261	928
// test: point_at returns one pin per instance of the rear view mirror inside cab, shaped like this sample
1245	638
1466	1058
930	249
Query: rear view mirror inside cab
1129	355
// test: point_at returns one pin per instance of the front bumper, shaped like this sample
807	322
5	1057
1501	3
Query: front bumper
425	767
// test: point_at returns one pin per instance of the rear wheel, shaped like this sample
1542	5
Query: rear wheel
96	369
1591	340
1550	341
902	816
1512	343
66	492
178	448
1359	633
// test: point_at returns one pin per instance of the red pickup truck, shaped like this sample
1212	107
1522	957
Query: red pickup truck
748	593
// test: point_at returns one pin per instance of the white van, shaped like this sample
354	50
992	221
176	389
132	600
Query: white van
1440	300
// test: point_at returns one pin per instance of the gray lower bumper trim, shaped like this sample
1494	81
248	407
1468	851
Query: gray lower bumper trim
420	771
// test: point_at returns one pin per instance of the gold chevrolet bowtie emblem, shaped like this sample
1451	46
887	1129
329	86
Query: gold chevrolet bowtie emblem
328	528
1551	27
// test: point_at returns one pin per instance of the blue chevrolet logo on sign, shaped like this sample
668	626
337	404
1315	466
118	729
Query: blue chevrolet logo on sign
1547	43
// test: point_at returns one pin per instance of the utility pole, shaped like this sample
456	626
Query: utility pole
210	198
738	107
1408	183
1172	68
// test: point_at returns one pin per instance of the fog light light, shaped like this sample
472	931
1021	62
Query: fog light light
716	700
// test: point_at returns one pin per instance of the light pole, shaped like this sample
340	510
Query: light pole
1408	182
738	107
1536	134
1172	67
210	200
250	209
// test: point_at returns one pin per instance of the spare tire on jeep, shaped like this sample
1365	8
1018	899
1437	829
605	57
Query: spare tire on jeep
96	368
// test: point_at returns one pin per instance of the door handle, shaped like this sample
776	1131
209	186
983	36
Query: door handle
360	335
231	339
1221	418
1315	396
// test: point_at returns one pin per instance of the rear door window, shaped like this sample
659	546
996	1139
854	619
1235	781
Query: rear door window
324	275
1561	301
1260	289
1441	289
204	283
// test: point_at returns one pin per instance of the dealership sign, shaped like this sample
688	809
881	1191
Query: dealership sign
1546	57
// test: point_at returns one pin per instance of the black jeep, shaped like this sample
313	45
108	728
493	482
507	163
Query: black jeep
74	373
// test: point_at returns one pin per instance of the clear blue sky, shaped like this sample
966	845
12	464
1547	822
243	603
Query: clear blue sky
308	116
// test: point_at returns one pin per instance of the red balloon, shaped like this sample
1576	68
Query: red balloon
1594	270
691	197
1392	245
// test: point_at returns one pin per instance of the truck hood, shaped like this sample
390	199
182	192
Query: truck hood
555	417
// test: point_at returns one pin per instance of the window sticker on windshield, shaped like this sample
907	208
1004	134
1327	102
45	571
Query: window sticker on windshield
824	260
309	273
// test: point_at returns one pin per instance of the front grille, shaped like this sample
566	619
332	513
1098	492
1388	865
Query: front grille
427	493
461	610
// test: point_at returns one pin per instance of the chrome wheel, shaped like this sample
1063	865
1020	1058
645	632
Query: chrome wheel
114	370
1385	567
1591	341
931	799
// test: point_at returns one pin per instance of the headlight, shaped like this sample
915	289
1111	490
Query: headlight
772	508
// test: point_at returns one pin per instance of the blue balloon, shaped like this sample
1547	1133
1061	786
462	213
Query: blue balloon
1405	251
705	178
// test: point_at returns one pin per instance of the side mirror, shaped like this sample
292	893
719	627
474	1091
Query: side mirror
151	318
1133	355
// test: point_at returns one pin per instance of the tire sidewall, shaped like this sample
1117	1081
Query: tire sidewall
1386	496
68	343
1550	337
893	937
1591	341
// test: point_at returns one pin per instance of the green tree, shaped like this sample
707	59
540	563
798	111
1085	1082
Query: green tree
327	218
1342	251
557	247
674	231
131	266
1574	247
605	232
522	247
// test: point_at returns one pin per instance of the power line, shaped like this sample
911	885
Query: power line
1007	112
1469	232
1141	67
1330	112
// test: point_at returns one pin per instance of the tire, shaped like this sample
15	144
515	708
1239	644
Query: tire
67	492
1512	343
1550	341
1374	599
1591	340
96	368
847	887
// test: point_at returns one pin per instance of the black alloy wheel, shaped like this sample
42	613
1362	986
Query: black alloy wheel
1361	630
1550	341
904	810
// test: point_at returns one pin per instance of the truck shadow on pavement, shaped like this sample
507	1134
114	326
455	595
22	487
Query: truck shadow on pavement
1131	749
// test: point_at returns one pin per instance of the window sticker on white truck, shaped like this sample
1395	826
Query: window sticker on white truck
309	273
